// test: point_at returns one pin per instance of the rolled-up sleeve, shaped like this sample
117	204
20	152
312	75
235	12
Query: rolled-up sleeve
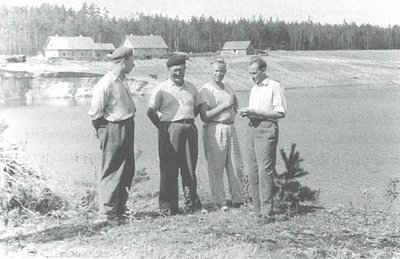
99	100
279	99
205	95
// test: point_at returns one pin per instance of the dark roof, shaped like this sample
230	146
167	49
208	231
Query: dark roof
236	45
146	42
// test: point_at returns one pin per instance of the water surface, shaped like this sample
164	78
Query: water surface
348	136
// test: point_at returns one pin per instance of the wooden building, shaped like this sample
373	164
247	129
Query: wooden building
146	46
237	48
79	48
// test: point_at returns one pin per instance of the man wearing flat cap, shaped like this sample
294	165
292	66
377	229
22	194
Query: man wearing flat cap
112	111
173	106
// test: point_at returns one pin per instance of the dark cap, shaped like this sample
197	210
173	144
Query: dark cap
120	53
176	61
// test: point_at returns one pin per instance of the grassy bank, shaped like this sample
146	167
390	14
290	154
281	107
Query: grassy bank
338	233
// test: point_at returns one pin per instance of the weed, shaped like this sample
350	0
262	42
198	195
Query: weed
392	191
26	193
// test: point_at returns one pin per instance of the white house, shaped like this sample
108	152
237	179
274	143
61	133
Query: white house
146	46
69	47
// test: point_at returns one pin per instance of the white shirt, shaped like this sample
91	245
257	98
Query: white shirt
268	96
111	99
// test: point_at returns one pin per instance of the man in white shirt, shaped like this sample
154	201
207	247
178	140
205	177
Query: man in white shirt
267	104
112	111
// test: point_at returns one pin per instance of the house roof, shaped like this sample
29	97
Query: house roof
71	43
146	42
236	45
104	46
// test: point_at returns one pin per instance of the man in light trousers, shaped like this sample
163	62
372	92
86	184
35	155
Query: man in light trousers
221	144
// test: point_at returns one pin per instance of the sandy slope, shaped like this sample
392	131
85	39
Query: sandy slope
292	69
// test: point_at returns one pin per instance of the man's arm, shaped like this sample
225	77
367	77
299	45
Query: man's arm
98	103
152	114
253	113
207	114
198	109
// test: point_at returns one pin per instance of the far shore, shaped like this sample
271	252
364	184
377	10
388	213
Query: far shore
38	79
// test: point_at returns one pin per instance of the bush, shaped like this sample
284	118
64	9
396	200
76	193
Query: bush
290	191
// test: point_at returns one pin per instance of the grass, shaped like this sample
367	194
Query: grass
343	232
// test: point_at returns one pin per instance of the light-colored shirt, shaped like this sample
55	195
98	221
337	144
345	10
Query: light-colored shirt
111	99
213	96
173	102
268	96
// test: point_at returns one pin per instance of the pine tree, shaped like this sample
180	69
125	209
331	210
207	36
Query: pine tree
290	192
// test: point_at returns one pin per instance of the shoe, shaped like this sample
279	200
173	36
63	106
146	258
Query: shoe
263	219
187	210
204	211
224	208
237	205
109	220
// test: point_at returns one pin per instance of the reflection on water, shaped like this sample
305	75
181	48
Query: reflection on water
59	102
349	138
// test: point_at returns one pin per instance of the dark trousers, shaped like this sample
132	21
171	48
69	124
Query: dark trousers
178	150
262	142
118	165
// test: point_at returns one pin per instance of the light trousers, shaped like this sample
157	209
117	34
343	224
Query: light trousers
222	151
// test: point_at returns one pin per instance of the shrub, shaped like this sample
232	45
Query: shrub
290	192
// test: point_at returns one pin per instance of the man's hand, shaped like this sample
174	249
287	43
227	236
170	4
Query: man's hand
244	112
99	123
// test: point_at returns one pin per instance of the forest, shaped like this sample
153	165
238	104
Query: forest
24	30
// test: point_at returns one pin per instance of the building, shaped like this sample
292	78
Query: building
79	48
102	49
146	46
237	48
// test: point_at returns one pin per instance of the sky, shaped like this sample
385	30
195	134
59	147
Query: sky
374	12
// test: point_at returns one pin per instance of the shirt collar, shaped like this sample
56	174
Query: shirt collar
170	83
264	82
113	77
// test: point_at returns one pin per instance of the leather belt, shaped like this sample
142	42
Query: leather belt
184	121
223	122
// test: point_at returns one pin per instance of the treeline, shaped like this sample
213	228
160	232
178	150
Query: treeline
24	30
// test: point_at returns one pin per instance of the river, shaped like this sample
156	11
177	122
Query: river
349	138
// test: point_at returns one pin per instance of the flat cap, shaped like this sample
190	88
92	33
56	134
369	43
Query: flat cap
120	53
176	61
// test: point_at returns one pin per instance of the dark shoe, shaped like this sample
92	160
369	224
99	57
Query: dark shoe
237	205
187	210
108	220
263	219
224	208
